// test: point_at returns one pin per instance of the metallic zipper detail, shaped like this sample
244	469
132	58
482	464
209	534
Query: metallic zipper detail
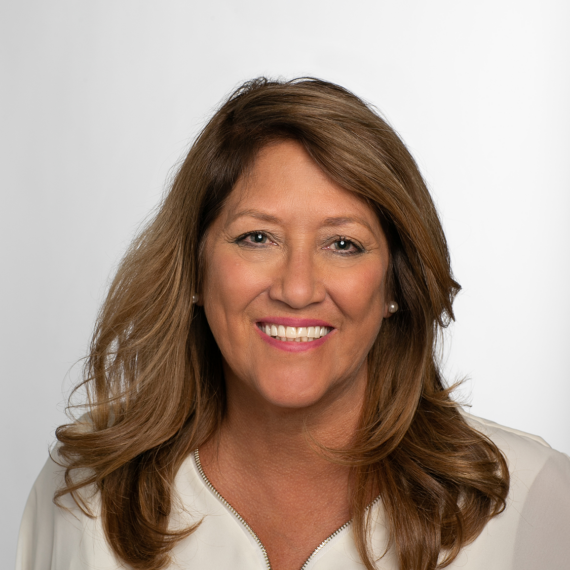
231	509
335	533
324	543
250	530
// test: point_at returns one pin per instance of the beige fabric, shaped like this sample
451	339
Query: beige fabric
532	534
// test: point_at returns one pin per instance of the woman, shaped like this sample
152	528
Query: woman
262	385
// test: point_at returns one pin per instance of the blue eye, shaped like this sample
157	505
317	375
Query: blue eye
345	246
258	237
253	238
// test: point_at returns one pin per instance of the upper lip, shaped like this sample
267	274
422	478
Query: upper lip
293	322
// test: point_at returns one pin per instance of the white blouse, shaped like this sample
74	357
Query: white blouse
533	533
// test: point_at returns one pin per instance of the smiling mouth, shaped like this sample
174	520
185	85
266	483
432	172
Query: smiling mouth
293	334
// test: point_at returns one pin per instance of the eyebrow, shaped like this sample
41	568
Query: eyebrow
344	221
334	221
254	214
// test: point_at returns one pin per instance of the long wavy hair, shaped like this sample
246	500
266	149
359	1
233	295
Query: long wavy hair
154	378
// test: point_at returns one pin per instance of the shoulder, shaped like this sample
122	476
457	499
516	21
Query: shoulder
523	451
50	479
493	428
533	464
532	531
60	535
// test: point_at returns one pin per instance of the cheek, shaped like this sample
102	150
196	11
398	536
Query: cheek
361	294
231	284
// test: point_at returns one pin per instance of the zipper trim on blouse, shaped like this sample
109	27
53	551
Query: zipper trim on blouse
324	543
251	531
231	509
335	533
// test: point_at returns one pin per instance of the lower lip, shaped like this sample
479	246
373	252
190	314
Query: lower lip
292	346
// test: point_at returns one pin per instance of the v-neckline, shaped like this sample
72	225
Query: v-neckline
244	523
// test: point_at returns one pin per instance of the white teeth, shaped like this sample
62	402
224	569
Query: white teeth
296	334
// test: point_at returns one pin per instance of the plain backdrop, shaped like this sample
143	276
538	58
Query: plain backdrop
101	99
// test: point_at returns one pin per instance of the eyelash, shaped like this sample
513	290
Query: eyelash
241	239
358	248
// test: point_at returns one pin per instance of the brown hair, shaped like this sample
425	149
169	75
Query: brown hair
154	378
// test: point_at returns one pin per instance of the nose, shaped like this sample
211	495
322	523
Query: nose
298	281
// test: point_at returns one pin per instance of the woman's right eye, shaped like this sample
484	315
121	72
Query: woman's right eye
253	238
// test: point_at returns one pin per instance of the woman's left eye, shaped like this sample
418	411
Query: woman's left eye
345	246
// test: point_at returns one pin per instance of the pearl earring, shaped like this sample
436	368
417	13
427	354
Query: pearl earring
195	299
392	307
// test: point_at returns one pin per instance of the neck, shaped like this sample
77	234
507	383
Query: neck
264	440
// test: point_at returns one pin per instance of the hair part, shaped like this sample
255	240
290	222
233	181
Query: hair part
154	376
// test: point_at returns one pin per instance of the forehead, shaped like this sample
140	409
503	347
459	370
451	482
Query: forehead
285	182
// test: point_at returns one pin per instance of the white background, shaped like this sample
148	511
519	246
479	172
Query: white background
101	99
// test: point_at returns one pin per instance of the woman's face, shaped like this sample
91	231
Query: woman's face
292	254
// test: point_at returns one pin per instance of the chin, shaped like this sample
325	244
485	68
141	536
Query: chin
294	402
293	394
